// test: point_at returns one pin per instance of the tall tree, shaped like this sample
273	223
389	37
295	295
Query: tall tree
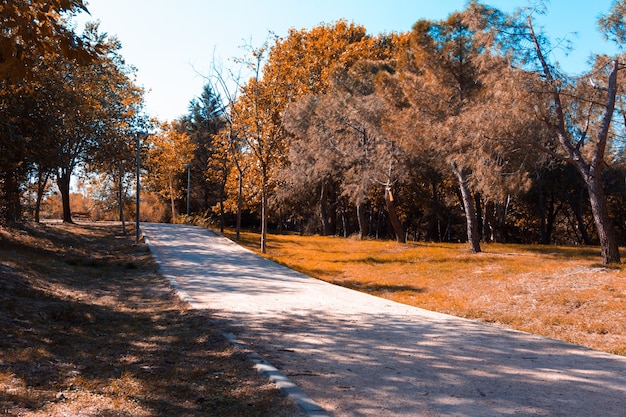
106	107
114	157
259	123
231	144
314	165
577	110
14	146
438	83
439	86
340	137
204	120
307	57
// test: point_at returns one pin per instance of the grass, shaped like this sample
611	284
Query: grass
89	328
558	292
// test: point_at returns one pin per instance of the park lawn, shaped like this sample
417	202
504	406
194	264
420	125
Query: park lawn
89	328
555	291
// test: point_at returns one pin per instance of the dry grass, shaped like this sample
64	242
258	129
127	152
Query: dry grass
90	329
559	292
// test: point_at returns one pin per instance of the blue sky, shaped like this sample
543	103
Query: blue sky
170	42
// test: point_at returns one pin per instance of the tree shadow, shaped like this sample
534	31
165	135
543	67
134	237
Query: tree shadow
116	337
379	288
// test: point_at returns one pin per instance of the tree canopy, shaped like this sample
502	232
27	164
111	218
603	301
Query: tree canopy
406	134
31	29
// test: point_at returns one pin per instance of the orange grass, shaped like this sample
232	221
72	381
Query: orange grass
559	292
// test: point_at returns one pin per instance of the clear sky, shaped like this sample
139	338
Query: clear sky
172	42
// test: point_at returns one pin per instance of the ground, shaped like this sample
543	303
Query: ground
90	328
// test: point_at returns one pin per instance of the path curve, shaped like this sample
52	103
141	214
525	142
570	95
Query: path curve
359	355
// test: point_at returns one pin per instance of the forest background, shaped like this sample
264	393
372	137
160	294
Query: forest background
458	130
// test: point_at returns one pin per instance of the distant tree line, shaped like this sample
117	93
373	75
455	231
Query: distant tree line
459	130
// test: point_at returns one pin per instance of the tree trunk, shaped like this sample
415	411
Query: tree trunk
64	188
222	209
504	213
549	210
222	214
473	237
120	191
239	205
344	223
398	229
172	205
10	205
495	220
263	209
433	232
324	208
362	219
489	225
42	182
604	225
11	191
590	171
38	200
577	208
480	213
332	210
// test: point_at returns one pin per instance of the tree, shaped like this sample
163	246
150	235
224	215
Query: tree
588	158
107	109
259	123
612	24
205	120
437	83
340	138
32	117
65	112
577	111
231	145
16	100
308	57
168	150
293	67
314	168
29	32
121	117
440	87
